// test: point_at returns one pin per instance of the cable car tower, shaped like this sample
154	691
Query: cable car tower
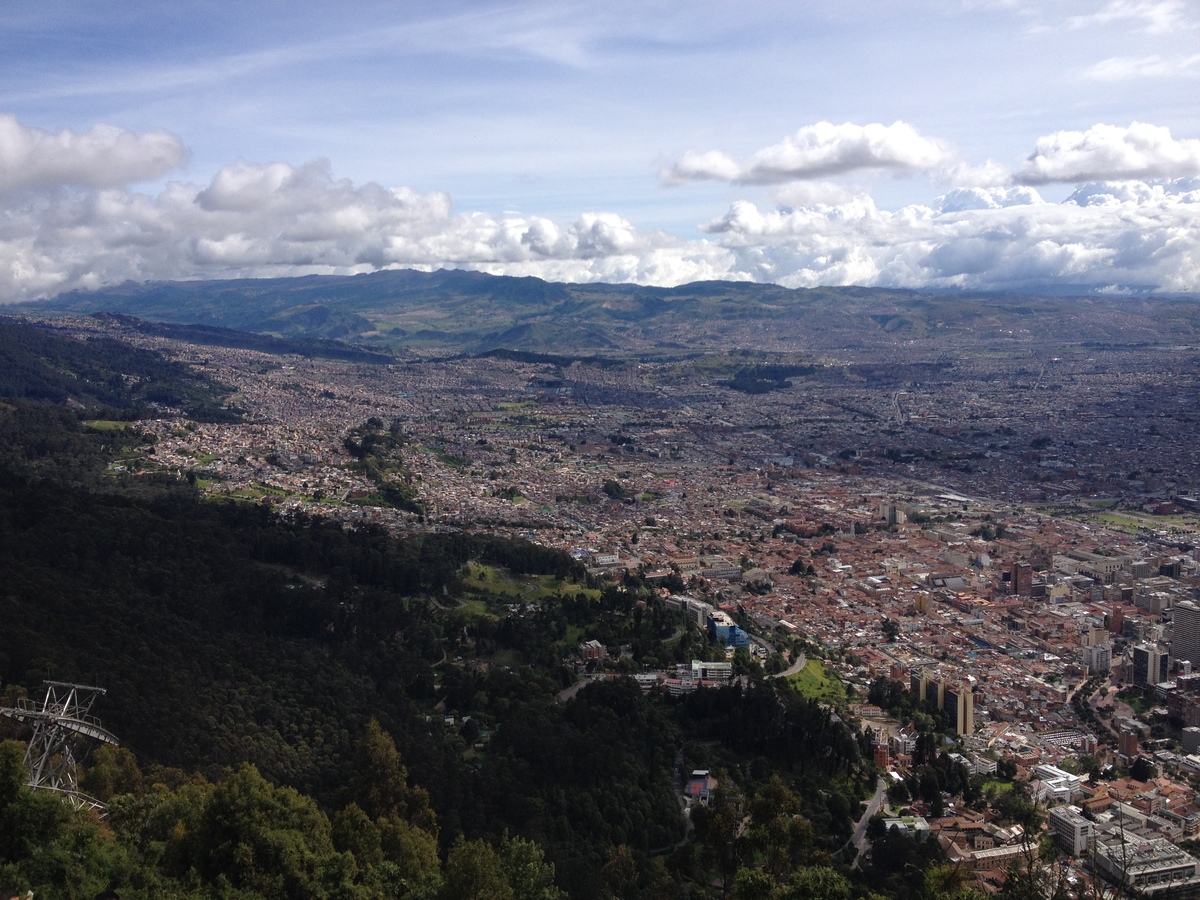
63	729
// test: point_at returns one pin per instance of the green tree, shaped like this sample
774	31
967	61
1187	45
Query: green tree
1142	769
45	844
272	841
719	828
413	854
779	835
528	873
753	884
112	771
947	882
353	832
620	874
817	883
380	782
474	871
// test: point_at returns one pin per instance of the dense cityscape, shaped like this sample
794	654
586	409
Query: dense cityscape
1013	543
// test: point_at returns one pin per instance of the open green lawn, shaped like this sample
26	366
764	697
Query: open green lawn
815	682
549	586
256	491
1102	513
477	609
497	583
492	581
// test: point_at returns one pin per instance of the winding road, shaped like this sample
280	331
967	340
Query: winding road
859	839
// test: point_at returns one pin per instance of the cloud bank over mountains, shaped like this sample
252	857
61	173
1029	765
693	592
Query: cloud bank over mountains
72	216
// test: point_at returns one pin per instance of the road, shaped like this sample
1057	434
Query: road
800	663
567	693
859	838
685	808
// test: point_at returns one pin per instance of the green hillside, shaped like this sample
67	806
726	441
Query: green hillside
471	312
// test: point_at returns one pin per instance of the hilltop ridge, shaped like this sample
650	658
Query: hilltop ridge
464	311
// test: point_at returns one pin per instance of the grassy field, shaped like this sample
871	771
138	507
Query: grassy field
256	491
495	582
1101	513
815	682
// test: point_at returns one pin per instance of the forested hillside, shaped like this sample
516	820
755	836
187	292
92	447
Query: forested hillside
313	711
103	375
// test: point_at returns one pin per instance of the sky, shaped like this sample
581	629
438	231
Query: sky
947	144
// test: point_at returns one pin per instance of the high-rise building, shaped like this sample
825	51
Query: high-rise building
917	679
959	704
1185	642
1071	831
1149	665
956	700
881	755
1021	579
1129	744
935	694
1098	658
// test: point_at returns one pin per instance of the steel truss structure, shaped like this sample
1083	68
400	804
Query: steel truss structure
63	730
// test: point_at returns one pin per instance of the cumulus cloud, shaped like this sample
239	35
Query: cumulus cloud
103	156
1126	68
1109	152
1106	236
278	218
817	151
963	199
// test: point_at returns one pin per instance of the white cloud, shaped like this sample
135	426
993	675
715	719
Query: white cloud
103	156
987	175
254	220
818	151
280	219
1109	152
1154	16
963	199
712	165
1105	236
1126	68
811	193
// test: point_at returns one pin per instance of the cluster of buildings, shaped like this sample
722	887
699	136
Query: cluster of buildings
716	622
956	701
1124	832
820	512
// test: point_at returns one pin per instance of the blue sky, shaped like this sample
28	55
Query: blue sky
974	144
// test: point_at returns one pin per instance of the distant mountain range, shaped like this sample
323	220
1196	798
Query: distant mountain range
463	311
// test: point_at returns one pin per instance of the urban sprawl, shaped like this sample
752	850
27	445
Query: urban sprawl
1010	537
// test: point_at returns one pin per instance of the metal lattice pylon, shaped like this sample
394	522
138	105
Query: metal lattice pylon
62	731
